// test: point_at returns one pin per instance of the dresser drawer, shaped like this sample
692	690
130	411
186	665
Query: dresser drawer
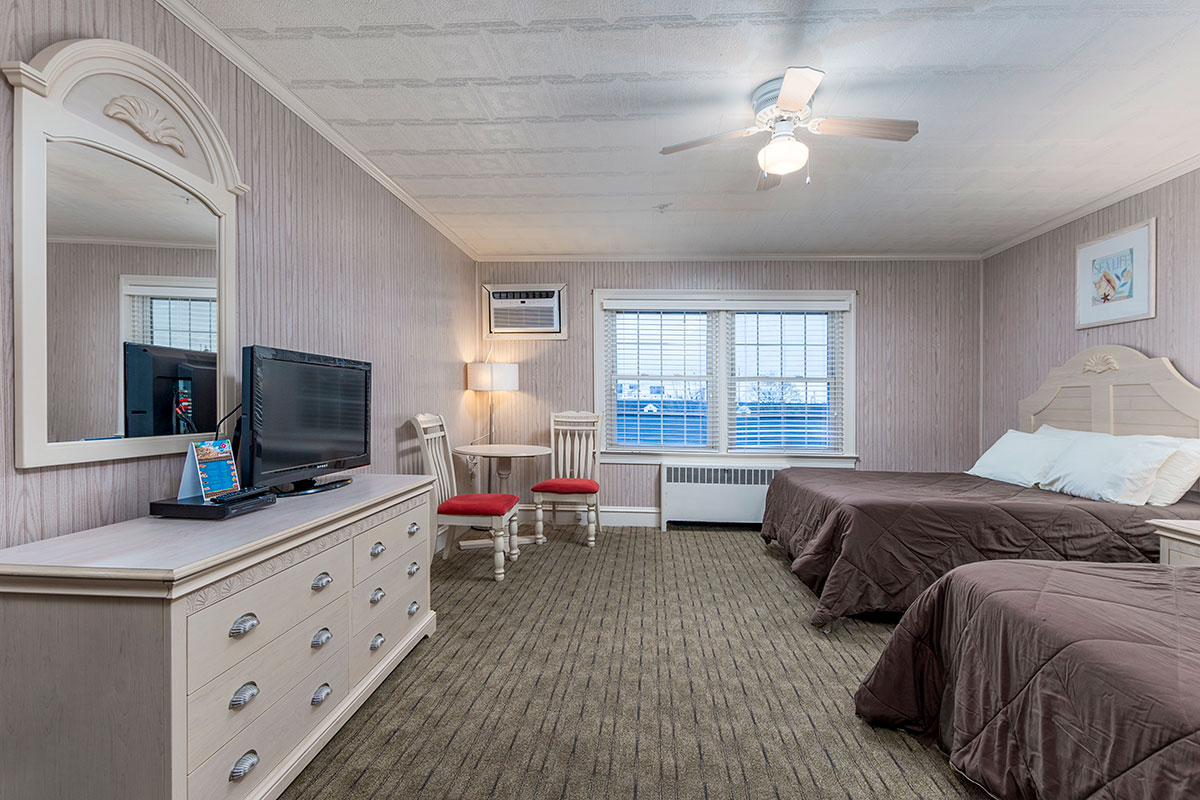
394	627
273	606
263	678
386	542
391	588
273	735
1180	555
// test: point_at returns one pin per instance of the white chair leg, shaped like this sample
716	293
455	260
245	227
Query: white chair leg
591	524
498	553
514	547
449	543
538	527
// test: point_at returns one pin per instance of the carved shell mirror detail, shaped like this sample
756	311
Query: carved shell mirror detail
147	120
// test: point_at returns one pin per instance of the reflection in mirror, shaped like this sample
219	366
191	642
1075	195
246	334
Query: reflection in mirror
131	298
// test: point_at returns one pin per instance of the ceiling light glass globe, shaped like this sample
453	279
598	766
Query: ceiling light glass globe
782	155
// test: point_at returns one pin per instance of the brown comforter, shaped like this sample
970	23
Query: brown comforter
873	541
1051	680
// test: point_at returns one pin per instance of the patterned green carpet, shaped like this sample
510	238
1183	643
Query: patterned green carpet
657	665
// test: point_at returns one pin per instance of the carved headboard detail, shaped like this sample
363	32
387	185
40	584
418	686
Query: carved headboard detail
1114	389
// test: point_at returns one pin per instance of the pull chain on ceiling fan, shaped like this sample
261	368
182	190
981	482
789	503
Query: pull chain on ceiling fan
781	107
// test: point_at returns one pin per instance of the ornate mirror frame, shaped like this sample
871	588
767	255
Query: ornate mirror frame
121	100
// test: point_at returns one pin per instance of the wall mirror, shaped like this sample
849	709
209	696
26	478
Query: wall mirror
124	240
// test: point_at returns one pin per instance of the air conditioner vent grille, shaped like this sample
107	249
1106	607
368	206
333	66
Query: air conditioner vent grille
525	318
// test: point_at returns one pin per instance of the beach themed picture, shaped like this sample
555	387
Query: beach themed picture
1115	278
1112	277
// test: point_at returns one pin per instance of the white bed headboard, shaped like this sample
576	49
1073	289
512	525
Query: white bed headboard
1114	389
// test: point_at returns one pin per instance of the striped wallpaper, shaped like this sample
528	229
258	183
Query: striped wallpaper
1028	300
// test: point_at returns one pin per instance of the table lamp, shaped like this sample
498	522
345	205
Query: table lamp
484	376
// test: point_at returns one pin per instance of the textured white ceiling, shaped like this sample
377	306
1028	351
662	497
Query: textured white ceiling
534	127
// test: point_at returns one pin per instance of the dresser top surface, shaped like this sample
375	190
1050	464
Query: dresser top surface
158	549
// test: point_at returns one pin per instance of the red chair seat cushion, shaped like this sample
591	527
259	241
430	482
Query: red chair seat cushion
479	505
567	486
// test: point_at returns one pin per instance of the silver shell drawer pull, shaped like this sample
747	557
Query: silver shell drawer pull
413	568
322	693
321	581
243	625
244	695
243	766
414	529
378	641
377	595
322	638
377	549
413	608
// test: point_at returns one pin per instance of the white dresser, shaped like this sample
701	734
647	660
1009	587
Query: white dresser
163	658
1178	541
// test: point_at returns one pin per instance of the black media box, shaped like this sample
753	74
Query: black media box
198	508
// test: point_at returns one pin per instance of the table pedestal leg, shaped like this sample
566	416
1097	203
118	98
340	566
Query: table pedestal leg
503	470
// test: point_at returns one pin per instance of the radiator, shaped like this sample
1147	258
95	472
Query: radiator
714	494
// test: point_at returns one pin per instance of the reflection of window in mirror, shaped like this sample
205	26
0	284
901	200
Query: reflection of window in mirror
169	311
168	335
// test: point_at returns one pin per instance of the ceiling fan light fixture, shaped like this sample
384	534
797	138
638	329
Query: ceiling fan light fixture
783	155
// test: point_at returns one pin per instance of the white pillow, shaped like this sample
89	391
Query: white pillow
1177	475
1020	458
1116	469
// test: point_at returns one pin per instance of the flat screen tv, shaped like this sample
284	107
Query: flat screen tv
303	416
168	390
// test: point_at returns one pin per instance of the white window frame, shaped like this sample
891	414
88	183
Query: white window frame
747	300
183	287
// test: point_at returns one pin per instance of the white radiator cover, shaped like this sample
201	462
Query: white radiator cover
702	493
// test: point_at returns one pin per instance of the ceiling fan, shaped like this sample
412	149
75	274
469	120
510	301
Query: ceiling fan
781	107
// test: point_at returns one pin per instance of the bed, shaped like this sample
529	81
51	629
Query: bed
1052	679
873	541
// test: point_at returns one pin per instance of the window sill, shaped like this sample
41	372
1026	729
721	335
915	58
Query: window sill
839	461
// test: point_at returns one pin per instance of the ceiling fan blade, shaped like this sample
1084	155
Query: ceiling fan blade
799	85
896	130
675	148
767	181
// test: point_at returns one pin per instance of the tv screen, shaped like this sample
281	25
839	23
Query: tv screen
303	415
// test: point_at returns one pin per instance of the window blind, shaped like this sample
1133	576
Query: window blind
187	323
661	379
744	374
785	381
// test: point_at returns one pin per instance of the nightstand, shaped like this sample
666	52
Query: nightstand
1178	541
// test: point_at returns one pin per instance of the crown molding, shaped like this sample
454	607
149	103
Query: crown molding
675	257
109	241
220	41
1137	187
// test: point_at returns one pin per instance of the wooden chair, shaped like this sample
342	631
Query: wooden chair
574	467
496	512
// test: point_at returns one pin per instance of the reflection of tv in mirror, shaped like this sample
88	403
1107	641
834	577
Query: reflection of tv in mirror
169	390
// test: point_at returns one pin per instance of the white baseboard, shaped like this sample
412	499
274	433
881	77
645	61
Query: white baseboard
621	516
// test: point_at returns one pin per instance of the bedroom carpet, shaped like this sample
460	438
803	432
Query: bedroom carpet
657	665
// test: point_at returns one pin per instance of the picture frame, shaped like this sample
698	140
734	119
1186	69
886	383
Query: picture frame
1115	277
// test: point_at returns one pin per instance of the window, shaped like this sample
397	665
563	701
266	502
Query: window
737	373
169	310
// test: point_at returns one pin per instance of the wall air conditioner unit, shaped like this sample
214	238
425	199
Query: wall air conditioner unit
714	494
524	311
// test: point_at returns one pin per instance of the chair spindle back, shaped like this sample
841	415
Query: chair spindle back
574	445
435	452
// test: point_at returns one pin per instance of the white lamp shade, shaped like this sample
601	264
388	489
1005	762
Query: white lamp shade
488	377
783	155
